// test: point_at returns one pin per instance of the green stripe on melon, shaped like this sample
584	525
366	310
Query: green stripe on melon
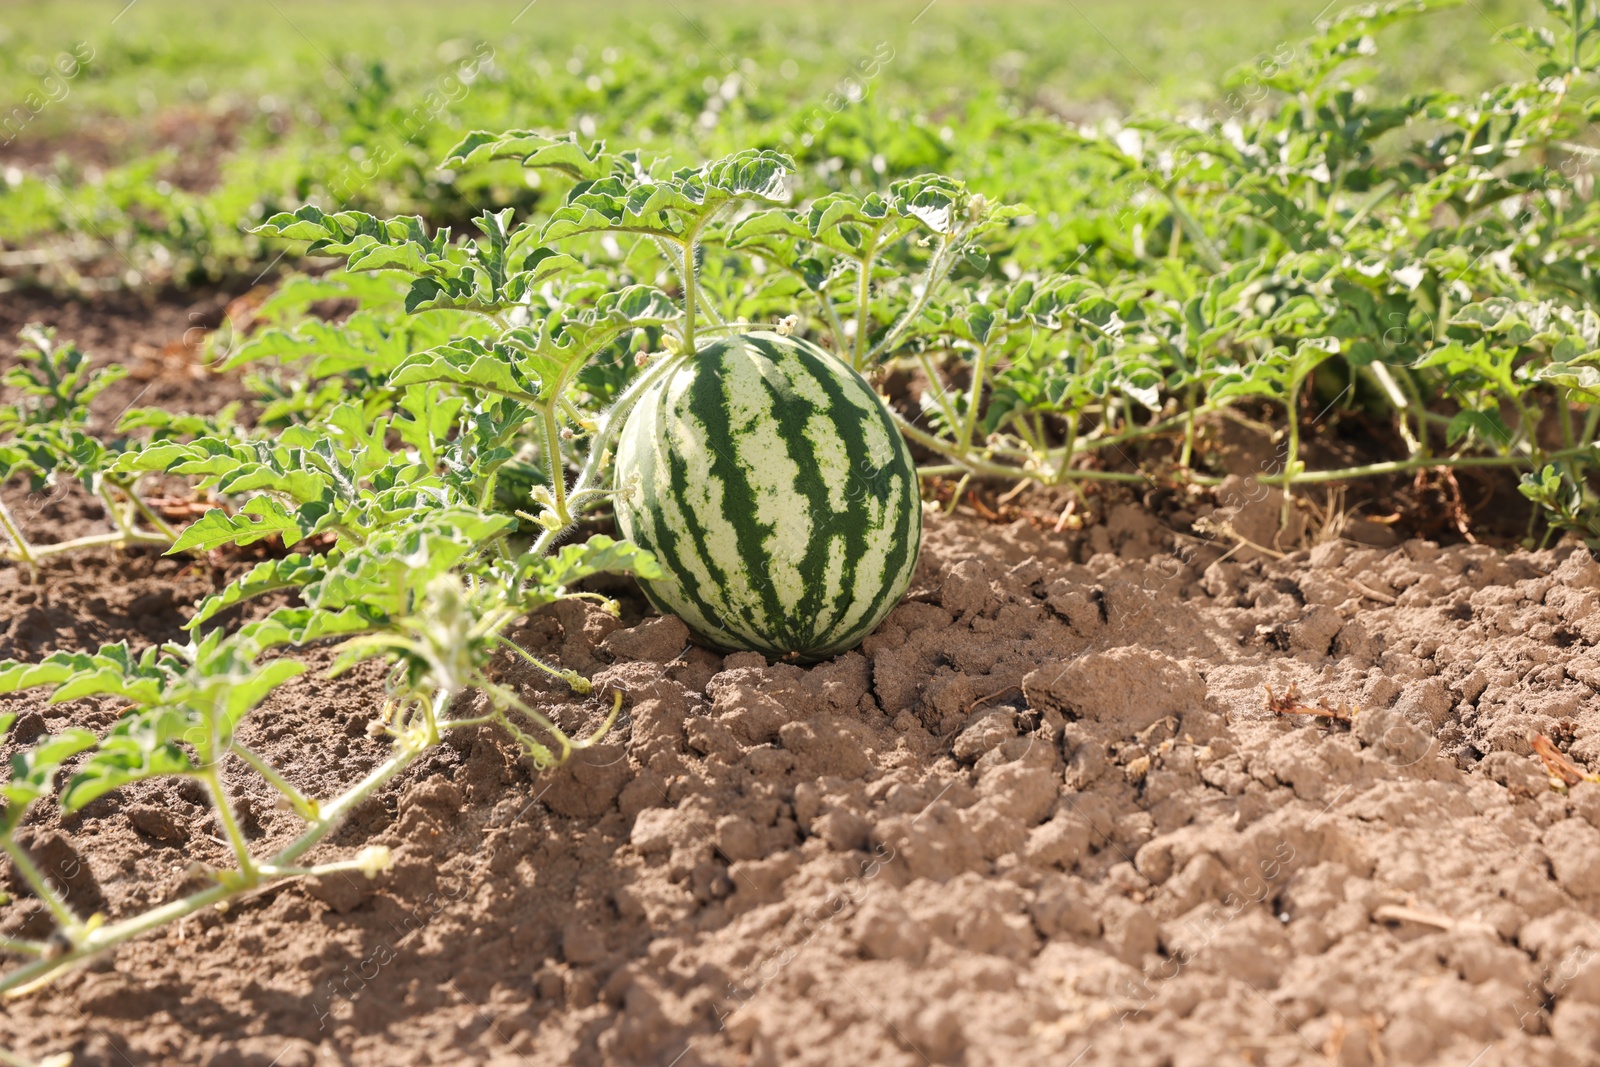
781	502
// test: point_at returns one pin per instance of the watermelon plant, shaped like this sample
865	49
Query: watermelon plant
762	471
407	568
47	439
425	597
1332	284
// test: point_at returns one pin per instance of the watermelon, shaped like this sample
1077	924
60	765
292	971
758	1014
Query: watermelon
781	502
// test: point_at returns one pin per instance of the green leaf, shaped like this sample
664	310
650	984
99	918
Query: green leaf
1581	380
52	671
472	363
386	575
773	222
431	416
56	381
1487	425
142	745
935	202
112	670
33	772
290	572
489	291
261	518
383	242
243	694
545	579
669	207
531	149
529	360
301	626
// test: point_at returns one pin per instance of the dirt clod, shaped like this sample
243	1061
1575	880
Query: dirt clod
1127	689
159	823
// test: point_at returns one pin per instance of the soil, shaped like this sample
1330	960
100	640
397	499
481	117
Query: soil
158	339
1049	813
196	137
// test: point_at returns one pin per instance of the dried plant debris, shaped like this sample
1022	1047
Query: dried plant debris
1562	770
1290	704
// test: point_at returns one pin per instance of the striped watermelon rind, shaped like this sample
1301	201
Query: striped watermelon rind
779	499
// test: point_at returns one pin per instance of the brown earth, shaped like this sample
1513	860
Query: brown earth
1045	815
196	137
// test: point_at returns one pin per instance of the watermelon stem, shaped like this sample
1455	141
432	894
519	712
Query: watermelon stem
1068	447
579	501
939	267
585	489
690	297
985	468
969	425
552	452
858	344
941	396
19	544
94	937
42	887
955	497
505	699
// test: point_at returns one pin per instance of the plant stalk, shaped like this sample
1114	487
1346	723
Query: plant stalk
279	866
1186	456
333	814
606	435
132	537
230	824
941	396
689	294
303	805
113	512
160	525
20	947
69	923
980	370
1202	243
937	270
1405	465
19	544
1292	452
858	344
577	682
553	461
976	466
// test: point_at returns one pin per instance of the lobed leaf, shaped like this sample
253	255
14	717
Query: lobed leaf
141	745
531	149
33	772
290	572
261	518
